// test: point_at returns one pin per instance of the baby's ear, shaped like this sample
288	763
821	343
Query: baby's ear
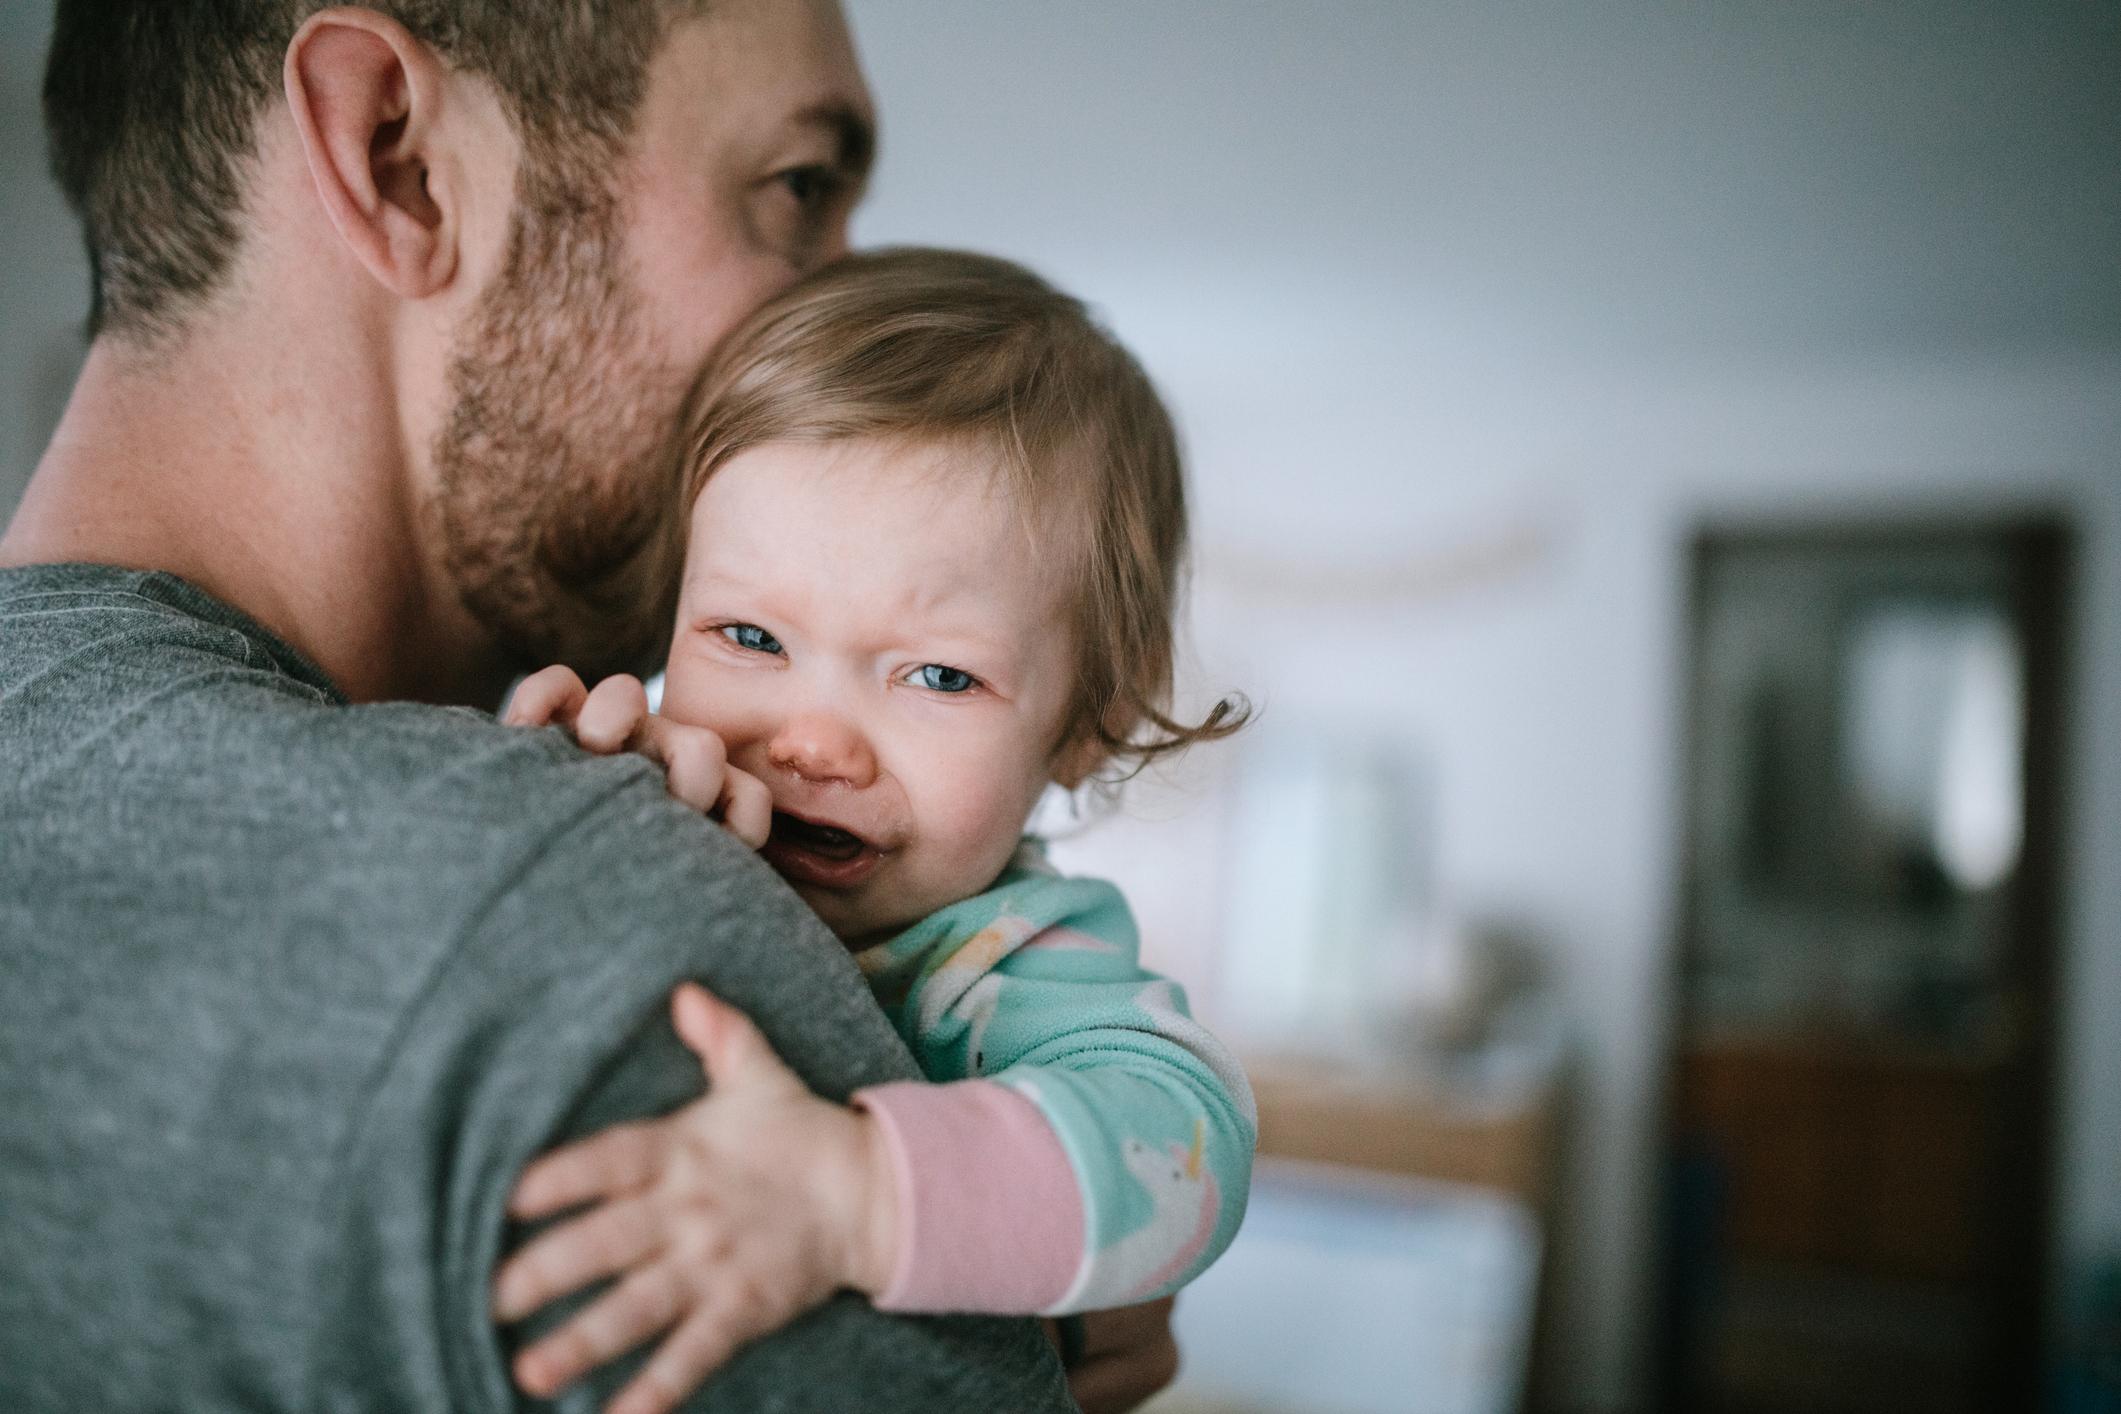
1074	762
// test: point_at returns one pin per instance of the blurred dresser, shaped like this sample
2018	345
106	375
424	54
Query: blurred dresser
1391	1259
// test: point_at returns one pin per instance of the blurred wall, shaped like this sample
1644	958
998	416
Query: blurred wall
1430	281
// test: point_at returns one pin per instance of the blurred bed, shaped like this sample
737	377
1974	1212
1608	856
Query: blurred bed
1349	1293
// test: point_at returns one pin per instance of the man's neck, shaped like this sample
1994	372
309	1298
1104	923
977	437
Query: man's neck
269	473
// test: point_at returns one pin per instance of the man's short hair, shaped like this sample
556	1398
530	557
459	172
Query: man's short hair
151	107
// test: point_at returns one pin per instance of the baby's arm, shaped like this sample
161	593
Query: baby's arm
720	1222
1106	1161
1097	1150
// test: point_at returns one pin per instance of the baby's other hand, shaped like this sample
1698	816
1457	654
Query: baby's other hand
1127	1355
615	717
721	1222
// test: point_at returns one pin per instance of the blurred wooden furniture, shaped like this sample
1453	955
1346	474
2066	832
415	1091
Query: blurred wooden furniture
1858	1157
1430	1187
1326	1113
1859	1254
1502	1138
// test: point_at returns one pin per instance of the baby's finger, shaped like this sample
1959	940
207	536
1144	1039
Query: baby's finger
615	710
695	1350
623	1159
747	808
574	1254
638	1308
729	1044
694	761
549	696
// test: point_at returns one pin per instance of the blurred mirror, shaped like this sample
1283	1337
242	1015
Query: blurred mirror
1857	1137
1911	794
1932	729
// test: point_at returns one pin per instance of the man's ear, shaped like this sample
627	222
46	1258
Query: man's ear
365	95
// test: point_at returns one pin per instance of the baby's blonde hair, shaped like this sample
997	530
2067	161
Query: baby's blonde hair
918	344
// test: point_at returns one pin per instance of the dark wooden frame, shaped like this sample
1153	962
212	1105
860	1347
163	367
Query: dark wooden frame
2040	548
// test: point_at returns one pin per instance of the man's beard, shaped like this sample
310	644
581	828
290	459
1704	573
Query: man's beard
556	469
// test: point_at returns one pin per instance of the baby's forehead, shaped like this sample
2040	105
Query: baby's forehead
1028	504
932	522
1040	510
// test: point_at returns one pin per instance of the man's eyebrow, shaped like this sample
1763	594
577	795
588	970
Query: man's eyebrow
853	134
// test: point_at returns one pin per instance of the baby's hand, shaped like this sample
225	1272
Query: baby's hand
722	1222
615	718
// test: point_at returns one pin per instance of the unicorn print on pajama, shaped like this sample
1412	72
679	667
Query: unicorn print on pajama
1035	986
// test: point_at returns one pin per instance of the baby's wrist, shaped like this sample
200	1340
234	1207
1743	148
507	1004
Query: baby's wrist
869	1208
884	1206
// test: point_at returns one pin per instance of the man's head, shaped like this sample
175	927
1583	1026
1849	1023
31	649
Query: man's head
152	108
663	167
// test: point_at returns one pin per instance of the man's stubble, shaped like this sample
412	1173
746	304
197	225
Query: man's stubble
556	468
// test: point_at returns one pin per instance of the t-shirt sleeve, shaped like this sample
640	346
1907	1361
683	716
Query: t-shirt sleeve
549	1021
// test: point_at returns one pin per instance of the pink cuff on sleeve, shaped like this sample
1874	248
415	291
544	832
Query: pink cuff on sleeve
990	1217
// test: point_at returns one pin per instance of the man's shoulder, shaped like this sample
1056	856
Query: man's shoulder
161	753
100	665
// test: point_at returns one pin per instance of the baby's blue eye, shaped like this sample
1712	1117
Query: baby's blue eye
751	636
937	678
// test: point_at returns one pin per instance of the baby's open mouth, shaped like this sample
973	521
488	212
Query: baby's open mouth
825	841
817	854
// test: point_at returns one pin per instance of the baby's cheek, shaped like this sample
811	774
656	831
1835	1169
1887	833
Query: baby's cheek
699	697
981	822
685	694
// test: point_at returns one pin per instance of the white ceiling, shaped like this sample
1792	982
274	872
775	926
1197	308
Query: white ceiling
1771	176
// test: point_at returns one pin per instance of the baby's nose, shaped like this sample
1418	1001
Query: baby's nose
823	748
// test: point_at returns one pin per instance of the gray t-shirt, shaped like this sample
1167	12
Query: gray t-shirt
291	989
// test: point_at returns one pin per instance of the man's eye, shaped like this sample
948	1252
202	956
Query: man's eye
810	186
937	678
751	636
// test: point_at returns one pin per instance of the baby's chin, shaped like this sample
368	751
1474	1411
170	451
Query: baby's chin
862	923
854	924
